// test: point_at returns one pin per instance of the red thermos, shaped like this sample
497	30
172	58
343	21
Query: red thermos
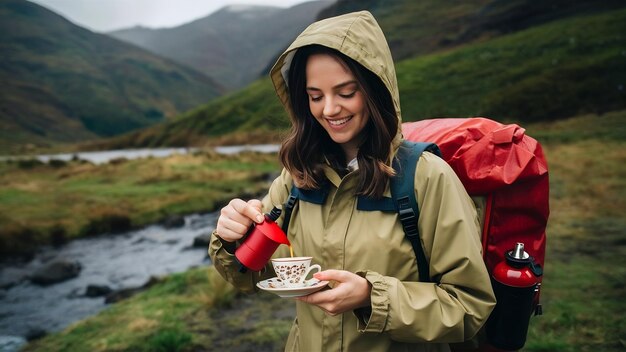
515	282
261	243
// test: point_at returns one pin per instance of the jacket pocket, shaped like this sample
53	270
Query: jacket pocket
293	343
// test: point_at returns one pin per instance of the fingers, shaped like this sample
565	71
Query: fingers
330	301
250	209
351	291
258	206
332	275
236	218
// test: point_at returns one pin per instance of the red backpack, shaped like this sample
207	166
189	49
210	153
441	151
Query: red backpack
506	174
508	170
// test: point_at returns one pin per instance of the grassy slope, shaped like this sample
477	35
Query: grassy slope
557	70
415	28
41	203
582	293
552	71
254	110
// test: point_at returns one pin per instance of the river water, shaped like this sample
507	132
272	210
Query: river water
99	157
118	261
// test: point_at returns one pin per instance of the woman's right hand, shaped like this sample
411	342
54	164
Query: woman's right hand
236	217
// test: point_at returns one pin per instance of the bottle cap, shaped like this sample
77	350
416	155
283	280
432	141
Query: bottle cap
518	251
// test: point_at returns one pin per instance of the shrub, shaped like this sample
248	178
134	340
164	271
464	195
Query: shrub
57	163
168	340
107	223
18	241
58	235
29	163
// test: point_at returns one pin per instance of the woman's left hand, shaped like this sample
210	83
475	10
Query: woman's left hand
350	291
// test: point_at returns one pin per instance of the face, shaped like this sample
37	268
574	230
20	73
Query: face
336	101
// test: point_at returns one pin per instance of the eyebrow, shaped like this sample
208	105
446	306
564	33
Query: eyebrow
338	86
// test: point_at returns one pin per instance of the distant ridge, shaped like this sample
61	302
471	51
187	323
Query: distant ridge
232	45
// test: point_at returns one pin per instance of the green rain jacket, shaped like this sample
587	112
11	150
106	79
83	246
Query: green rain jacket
407	315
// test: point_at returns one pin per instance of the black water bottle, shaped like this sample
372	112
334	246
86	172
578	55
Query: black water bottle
515	282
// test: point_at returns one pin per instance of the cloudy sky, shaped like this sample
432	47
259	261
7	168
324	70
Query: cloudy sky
107	15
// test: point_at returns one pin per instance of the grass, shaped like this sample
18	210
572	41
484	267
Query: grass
547	72
151	321
40	201
585	268
582	293
179	314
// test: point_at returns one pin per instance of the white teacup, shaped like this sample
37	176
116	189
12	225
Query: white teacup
293	271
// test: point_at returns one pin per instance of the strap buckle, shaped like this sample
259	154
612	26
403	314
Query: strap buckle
291	202
407	217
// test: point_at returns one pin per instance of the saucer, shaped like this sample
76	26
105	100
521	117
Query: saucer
276	286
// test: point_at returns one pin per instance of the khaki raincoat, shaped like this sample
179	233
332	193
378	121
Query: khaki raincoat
406	315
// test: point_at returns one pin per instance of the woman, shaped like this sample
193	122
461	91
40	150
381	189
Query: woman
337	82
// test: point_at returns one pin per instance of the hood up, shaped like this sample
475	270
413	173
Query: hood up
356	35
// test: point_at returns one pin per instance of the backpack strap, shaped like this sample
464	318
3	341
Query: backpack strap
288	207
403	194
316	196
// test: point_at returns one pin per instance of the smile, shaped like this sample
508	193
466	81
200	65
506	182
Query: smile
341	121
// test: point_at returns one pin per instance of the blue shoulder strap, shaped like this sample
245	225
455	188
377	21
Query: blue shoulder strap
316	196
403	194
288	207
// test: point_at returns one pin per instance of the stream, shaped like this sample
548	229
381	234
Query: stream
99	157
118	261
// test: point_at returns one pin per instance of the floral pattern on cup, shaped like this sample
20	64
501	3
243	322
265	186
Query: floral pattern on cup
292	272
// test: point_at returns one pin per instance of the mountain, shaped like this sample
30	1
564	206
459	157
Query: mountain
557	69
62	83
233	44
421	27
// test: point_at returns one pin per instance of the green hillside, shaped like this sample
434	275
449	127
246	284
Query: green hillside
557	70
551	71
62	83
421	27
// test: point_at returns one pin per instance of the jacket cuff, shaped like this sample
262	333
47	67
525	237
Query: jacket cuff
228	246
379	306
225	251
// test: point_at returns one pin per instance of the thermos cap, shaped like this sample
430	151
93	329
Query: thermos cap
518	252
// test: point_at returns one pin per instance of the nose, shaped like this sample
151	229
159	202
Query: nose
331	108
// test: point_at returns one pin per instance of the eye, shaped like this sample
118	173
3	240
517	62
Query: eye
348	95
315	98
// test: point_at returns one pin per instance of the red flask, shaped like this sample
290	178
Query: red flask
261	243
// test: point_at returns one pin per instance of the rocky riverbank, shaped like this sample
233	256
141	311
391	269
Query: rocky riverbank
63	285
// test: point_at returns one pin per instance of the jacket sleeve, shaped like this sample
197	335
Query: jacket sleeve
456	304
224	260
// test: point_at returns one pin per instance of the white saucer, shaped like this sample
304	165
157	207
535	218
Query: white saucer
275	286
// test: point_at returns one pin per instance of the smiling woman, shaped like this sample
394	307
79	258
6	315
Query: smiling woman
337	82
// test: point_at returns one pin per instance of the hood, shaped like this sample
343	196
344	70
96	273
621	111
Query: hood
356	35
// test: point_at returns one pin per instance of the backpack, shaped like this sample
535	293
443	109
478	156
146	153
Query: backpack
503	170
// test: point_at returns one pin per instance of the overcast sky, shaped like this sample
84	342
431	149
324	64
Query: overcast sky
107	15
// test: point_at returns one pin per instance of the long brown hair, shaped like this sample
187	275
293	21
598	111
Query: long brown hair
308	146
